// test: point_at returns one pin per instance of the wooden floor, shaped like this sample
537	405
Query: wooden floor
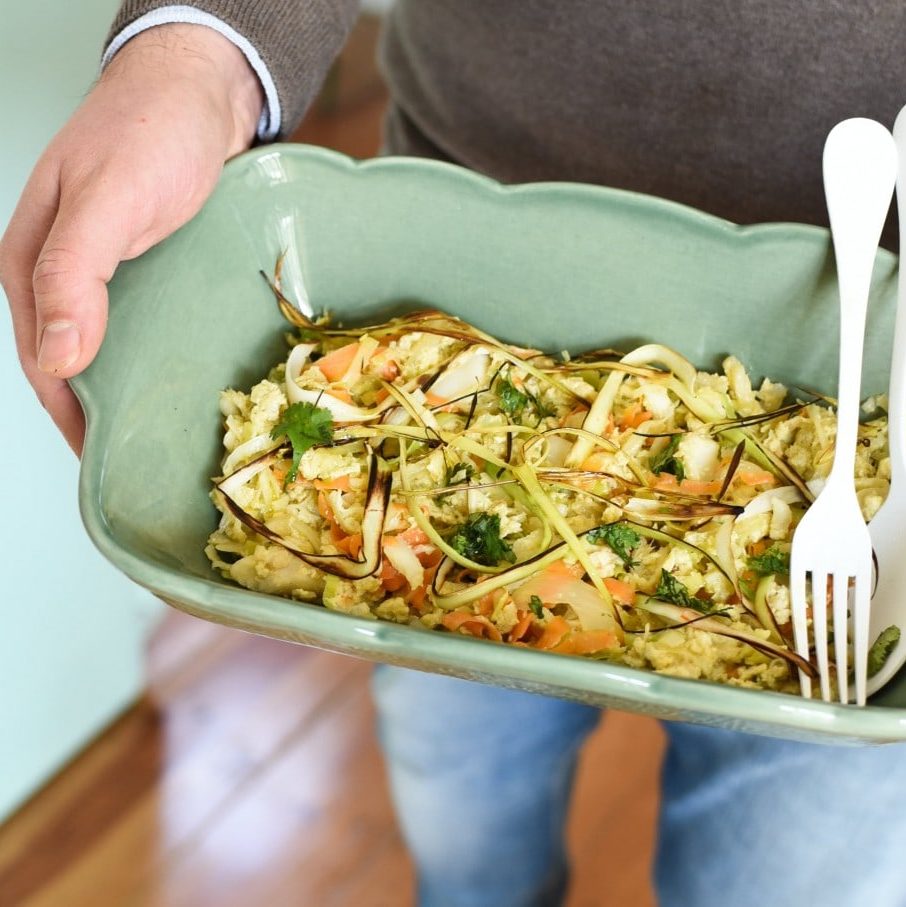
249	775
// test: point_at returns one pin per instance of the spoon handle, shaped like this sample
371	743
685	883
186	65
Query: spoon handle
896	409
860	167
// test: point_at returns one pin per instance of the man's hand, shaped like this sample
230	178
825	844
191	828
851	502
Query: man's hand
135	162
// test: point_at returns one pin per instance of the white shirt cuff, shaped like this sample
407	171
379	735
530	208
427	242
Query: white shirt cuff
269	124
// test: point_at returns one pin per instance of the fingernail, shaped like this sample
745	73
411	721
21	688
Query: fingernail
60	346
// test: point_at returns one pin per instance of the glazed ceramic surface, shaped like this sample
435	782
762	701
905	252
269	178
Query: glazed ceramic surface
555	265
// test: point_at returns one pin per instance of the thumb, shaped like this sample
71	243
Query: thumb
84	246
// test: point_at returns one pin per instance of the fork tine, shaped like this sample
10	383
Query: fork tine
841	633
861	613
819	629
800	626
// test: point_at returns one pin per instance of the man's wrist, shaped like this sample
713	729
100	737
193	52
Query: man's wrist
206	57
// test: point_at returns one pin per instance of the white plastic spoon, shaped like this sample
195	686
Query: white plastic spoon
888	528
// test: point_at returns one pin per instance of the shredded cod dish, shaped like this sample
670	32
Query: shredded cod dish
623	507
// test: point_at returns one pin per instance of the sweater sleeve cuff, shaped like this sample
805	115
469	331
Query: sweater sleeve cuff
269	124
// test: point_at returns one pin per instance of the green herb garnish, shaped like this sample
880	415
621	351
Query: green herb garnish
620	538
536	606
881	648
670	589
305	425
512	400
771	561
667	461
479	540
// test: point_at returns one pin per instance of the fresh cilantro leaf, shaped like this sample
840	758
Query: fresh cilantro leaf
621	539
771	561
536	606
881	648
305	425
667	461
670	589
479	540
512	401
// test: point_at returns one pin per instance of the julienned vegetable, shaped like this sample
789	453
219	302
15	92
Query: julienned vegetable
621	507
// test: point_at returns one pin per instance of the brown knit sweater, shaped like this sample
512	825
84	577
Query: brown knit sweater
720	104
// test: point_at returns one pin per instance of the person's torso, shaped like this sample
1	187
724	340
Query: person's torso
721	105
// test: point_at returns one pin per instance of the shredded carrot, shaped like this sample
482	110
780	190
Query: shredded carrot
486	604
473	624
416	597
433	399
334	365
593	463
350	544
429	557
622	592
554	631
572	571
325	510
633	416
666	481
696	486
391	579
756	477
584	642
418	541
339	484
414	536
521	628
339	393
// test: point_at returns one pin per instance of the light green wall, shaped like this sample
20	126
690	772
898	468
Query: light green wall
71	629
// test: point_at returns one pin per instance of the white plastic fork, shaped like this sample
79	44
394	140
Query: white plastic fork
886	529
831	543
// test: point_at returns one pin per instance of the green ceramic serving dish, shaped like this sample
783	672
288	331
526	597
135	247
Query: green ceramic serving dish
555	265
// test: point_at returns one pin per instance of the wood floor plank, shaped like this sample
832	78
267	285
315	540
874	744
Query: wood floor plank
181	643
212	740
301	830
73	806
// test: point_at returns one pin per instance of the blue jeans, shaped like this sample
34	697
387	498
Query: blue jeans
481	778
